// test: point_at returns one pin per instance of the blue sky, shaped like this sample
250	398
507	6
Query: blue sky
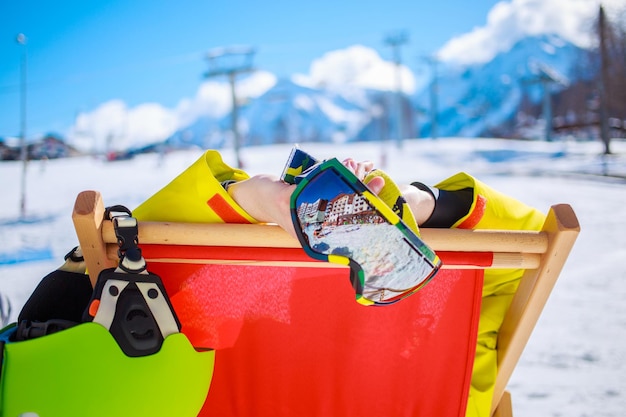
82	53
85	53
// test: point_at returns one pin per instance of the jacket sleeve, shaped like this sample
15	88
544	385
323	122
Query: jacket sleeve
197	195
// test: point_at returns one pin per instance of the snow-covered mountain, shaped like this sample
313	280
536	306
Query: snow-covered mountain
472	101
482	100
291	113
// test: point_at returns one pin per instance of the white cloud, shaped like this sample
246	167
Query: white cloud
150	122
97	129
255	85
212	99
114	126
356	66
509	21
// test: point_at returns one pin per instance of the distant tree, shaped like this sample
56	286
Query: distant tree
596	104
612	75
617	75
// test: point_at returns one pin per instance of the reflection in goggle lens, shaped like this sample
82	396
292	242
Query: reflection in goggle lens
337	220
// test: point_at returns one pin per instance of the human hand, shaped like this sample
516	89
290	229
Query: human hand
421	203
361	169
265	198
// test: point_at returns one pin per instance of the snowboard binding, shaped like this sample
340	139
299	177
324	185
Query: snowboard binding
128	300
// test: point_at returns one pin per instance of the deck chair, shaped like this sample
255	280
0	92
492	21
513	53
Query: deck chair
290	338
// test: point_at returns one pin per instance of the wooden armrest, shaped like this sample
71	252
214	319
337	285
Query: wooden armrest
562	228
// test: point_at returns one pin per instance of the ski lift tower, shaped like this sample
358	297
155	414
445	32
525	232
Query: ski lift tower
231	61
432	62
395	41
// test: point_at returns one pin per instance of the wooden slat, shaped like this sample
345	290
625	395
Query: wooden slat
272	236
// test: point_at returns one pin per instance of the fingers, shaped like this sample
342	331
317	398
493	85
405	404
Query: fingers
360	169
351	164
376	184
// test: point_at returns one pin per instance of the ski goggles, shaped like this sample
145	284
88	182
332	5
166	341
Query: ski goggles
339	220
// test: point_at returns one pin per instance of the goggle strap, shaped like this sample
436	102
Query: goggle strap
298	163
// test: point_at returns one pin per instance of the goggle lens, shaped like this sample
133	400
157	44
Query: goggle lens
335	218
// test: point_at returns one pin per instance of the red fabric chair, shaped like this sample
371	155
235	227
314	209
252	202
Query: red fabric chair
290	338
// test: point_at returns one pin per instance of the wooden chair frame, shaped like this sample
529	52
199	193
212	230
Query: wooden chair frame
542	254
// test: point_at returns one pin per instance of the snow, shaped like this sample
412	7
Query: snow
574	364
